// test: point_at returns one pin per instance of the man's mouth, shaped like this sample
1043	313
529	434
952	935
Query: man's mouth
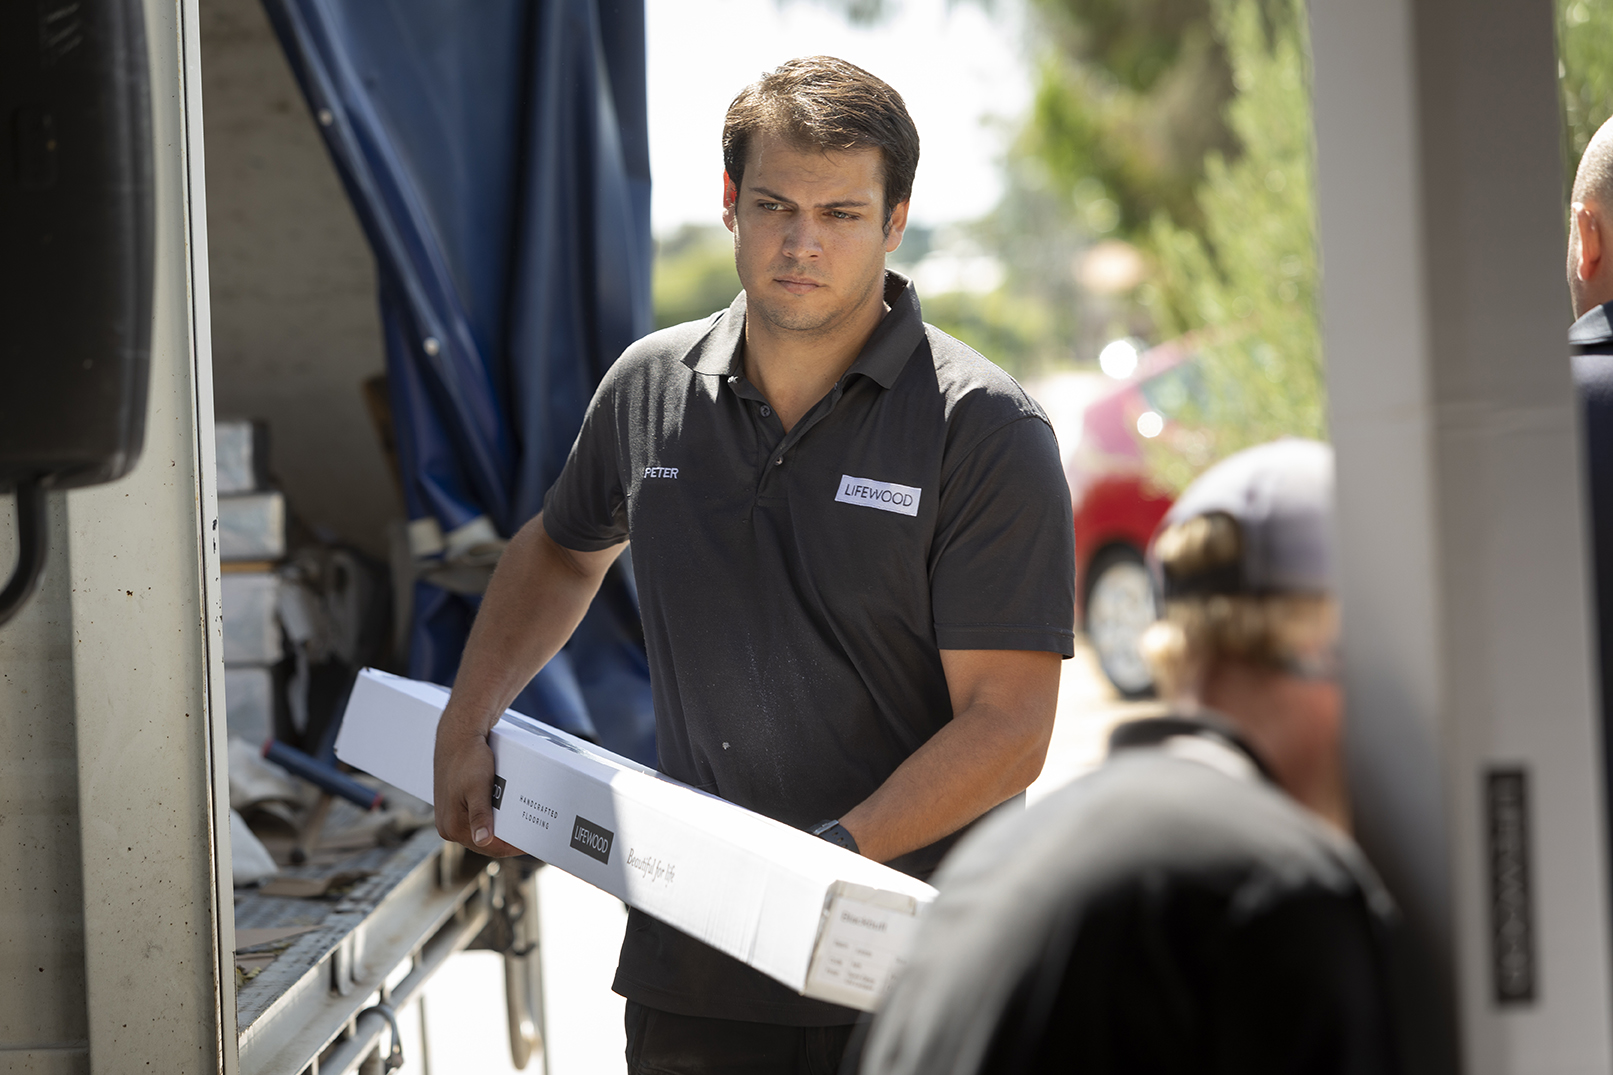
797	285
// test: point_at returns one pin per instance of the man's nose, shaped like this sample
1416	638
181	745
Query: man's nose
802	239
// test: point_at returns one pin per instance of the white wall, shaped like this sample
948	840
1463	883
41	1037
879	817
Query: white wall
295	323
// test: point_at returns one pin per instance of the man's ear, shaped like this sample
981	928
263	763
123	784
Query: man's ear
730	200
895	227
1588	236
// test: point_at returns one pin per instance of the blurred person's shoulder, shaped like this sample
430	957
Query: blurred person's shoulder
1155	843
1159	810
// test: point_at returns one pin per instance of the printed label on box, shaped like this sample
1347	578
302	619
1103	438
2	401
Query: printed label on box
591	839
862	947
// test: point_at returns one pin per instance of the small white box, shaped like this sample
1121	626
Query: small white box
252	526
251	623
249	703
826	922
239	449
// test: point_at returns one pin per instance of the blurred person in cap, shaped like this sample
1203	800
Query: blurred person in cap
1194	905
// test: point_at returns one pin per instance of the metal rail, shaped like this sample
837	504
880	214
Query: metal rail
432	902
348	1053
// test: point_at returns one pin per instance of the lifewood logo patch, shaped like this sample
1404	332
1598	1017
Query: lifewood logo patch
591	839
498	792
886	496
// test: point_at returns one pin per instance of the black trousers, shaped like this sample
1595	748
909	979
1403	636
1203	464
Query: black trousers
660	1043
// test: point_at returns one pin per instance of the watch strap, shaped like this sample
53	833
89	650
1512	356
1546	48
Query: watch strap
836	834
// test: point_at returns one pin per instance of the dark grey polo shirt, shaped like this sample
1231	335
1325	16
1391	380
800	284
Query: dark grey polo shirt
797	589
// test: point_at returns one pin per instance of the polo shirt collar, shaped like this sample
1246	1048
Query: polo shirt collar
882	359
1204	724
1593	331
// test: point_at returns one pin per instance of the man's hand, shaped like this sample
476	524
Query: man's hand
463	767
534	601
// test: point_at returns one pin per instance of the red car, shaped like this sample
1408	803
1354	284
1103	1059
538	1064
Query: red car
1119	502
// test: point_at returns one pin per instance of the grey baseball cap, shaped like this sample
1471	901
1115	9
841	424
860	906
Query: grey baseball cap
1281	496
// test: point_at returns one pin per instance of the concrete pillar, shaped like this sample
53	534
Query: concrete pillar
1467	632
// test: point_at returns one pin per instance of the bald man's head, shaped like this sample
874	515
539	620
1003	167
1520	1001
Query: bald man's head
1594	179
1590	258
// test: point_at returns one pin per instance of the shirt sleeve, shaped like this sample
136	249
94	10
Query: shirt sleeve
586	509
1002	568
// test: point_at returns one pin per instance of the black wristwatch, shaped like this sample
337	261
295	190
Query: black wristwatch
836	834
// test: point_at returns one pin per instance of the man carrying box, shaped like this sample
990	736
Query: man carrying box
853	547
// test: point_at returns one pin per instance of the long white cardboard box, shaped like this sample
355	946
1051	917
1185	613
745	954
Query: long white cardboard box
824	921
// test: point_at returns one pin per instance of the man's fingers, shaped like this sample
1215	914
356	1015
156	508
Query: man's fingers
464	795
482	840
481	825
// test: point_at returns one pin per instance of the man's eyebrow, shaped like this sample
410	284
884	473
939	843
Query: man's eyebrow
844	203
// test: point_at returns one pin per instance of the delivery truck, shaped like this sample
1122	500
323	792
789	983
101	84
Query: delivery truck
228	357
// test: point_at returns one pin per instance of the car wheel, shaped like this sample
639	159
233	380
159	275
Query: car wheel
1120	607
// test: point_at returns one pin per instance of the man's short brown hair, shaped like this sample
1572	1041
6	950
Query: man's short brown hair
820	102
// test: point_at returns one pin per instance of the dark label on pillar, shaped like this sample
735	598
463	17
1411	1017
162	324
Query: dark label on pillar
1512	934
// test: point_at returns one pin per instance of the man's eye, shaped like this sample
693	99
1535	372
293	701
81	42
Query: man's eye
770	207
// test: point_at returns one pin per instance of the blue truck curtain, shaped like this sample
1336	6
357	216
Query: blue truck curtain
497	154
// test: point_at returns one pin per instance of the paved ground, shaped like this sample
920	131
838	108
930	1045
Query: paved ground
582	930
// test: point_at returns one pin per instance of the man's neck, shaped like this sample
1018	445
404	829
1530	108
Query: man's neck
794	369
1297	740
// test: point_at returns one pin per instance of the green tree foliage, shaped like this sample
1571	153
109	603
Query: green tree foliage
1246	281
694	274
1585	70
1010	330
1128	101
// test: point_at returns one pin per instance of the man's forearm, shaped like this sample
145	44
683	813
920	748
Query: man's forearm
990	751
536	598
533	603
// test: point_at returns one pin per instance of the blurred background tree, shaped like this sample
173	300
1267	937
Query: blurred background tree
1129	100
1585	71
1183	127
1246	278
694	273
